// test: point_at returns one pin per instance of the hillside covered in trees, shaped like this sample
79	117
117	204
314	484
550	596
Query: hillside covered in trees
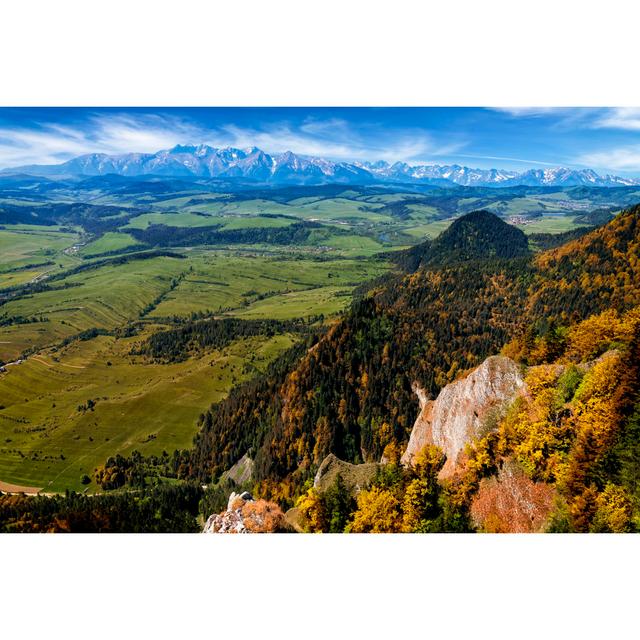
470	293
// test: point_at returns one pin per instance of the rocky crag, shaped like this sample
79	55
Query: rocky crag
246	515
463	410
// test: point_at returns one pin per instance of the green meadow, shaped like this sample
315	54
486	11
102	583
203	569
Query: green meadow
50	439
28	252
108	243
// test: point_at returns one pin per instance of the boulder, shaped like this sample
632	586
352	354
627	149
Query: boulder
241	472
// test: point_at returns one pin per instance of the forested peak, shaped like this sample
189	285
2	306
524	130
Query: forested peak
482	233
476	235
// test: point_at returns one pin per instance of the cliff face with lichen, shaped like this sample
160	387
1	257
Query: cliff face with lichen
462	409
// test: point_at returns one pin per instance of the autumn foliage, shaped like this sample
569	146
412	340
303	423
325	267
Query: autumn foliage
570	314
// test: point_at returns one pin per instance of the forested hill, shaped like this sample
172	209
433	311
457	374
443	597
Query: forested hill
478	235
593	273
351	393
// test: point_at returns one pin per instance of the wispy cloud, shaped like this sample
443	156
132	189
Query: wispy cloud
337	140
627	118
116	134
559	118
531	112
618	159
52	143
508	159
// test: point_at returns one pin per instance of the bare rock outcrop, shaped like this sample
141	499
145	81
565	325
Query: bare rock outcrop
462	409
241	472
246	515
355	476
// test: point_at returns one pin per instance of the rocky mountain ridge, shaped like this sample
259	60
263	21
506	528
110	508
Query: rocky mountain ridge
257	165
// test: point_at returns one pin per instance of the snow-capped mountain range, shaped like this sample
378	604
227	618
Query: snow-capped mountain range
203	161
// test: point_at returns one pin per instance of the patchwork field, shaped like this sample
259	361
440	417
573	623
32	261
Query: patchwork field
29	252
103	298
550	224
238	285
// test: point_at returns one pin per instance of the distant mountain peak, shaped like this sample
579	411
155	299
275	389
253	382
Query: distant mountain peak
203	160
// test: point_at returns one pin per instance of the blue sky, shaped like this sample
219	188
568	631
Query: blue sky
606	139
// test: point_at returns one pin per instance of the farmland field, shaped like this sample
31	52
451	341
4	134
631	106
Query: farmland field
28	252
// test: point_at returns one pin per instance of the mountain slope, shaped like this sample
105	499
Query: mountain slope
351	393
598	271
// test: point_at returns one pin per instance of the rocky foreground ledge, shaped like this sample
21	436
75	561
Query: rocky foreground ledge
246	515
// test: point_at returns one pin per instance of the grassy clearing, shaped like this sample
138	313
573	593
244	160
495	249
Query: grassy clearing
422	212
226	222
340	209
551	224
296	304
243	207
47	441
220	282
182	219
248	222
26	252
347	245
110	241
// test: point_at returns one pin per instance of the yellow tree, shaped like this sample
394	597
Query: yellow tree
378	512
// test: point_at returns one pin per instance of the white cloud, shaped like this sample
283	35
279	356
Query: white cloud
531	112
52	143
620	159
332	138
627	118
147	134
509	159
